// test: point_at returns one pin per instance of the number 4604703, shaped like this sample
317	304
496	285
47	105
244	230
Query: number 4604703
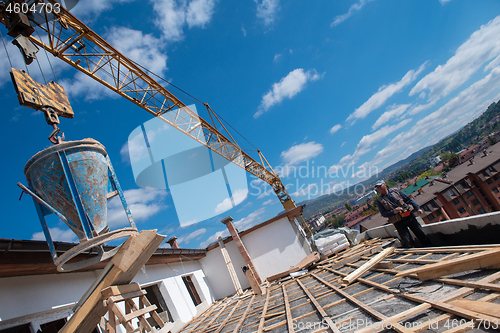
24	8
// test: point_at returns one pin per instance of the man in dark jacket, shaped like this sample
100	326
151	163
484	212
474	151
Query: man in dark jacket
400	210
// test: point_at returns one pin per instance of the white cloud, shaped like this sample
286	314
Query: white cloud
267	10
335	128
173	15
287	87
469	104
57	234
354	8
91	9
444	1
143	204
213	238
199	12
238	197
242	224
269	202
364	146
195	234
277	56
252	219
482	46
383	94
301	152
392	112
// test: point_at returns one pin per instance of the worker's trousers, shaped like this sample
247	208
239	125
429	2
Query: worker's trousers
403	227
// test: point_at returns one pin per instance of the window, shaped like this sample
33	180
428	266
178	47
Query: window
433	204
450	193
495	177
475	202
430	217
426	208
456	201
191	289
489	182
53	326
491	169
155	297
495	190
461	210
481	211
468	194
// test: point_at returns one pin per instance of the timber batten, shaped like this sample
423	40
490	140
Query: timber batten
377	299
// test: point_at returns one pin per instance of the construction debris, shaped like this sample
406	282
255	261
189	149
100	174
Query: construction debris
377	300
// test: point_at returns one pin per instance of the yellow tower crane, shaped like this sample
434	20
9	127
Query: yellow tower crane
70	40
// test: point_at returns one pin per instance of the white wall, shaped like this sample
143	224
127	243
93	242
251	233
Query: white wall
217	273
273	249
27	295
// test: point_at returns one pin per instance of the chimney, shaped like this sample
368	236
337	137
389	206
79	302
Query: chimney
173	242
237	240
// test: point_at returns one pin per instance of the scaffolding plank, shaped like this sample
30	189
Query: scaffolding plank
365	267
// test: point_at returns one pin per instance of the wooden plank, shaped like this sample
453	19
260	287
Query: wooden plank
320	309
289	318
135	252
153	314
140	312
487	308
385	264
123	297
365	267
263	318
253	282
214	318
310	259
243	317
120	290
221	326
230	267
473	261
397	327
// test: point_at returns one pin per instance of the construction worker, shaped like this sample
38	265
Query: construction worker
400	209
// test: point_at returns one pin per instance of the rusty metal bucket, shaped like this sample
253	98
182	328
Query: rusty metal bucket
74	180
46	175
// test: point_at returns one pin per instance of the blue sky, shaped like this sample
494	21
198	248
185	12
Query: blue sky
329	91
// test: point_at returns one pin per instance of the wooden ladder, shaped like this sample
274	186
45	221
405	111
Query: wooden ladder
140	317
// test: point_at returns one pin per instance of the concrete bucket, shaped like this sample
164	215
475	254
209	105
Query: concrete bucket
74	180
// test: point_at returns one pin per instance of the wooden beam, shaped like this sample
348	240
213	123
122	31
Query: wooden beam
230	267
221	326
289	318
310	259
478	260
365	267
243	317
397	327
263	318
320	309
124	266
487	308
